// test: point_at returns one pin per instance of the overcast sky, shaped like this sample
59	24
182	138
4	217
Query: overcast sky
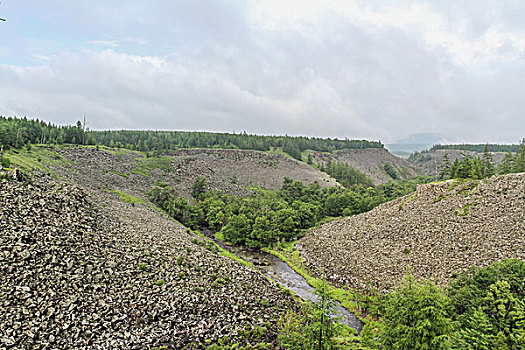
379	70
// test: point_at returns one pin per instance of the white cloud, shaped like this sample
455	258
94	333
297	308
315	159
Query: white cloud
358	69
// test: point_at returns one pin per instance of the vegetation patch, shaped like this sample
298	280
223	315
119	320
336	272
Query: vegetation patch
408	199
124	175
127	198
465	209
439	198
144	166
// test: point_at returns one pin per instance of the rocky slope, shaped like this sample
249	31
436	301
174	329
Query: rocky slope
435	233
370	162
231	171
81	269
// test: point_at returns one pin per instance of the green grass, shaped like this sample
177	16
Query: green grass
127	198
465	209
38	159
223	251
124	175
409	198
144	166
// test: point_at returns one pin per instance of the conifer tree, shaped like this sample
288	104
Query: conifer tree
488	163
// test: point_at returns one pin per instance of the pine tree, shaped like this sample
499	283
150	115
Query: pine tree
507	164
445	168
417	316
488	163
519	162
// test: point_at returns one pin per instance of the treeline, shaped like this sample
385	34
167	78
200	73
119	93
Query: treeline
479	148
475	167
483	308
266	218
17	132
172	140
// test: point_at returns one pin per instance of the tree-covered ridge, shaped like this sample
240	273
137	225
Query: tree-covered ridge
476	167
479	148
16	132
170	140
346	175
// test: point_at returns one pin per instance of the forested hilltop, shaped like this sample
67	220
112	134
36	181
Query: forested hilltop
470	161
16	132
478	148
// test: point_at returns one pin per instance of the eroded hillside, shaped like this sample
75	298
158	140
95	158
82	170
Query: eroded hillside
231	171
370	161
435	233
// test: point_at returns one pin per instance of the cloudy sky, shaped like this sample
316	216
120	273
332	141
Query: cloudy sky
380	70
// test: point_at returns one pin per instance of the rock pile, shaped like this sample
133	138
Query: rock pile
435	233
231	171
371	162
121	277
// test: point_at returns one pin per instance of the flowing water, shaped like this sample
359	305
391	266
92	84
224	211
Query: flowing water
279	271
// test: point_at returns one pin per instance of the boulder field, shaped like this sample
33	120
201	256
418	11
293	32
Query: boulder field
116	276
434	233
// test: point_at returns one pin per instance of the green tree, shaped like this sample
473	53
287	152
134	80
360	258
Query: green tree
507	164
324	326
489	306
5	162
488	163
445	168
519	163
417	316
199	187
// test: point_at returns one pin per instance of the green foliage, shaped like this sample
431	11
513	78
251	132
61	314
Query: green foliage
19	132
390	170
127	198
489	306
346	175
199	187
478	148
6	163
313	327
470	167
172	140
267	217
417	316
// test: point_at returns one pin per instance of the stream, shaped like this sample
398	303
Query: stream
279	272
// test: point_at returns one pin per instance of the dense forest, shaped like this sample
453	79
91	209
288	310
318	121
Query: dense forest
475	167
479	148
16	132
269	217
483	308
346	175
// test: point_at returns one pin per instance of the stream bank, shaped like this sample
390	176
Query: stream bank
280	272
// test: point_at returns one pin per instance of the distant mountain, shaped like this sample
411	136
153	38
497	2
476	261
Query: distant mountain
413	143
